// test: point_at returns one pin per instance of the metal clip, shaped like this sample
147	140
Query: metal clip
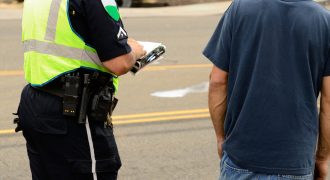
108	123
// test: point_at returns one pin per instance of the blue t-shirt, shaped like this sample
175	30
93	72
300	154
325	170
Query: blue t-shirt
276	53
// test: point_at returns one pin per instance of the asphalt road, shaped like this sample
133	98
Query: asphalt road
158	138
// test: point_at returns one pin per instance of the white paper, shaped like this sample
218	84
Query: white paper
153	50
149	46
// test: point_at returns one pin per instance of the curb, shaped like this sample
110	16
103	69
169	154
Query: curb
146	2
204	9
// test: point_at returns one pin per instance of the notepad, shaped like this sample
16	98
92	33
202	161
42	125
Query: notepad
154	51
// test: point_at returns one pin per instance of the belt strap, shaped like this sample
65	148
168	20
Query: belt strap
55	89
51	90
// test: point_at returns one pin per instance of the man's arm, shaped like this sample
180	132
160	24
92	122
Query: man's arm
218	103
323	149
122	64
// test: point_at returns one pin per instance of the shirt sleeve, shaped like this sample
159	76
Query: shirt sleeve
218	47
327	67
106	34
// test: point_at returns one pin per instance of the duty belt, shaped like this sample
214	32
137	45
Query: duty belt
90	94
56	91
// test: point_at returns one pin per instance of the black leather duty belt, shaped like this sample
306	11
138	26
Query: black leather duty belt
53	90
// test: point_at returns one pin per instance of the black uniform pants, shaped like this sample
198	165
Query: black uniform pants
61	149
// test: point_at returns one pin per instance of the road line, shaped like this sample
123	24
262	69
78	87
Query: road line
150	68
7	131
187	66
12	73
161	114
149	118
159	119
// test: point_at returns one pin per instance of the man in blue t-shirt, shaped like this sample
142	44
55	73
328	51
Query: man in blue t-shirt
271	60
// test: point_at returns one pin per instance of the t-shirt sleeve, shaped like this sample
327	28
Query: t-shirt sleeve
327	67
105	28
218	47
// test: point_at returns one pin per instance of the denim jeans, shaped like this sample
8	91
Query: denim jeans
230	171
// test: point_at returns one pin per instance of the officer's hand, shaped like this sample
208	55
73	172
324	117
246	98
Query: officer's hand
122	64
321	170
137	49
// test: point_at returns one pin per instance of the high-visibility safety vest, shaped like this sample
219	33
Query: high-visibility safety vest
51	47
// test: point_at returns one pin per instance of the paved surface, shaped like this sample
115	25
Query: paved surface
158	138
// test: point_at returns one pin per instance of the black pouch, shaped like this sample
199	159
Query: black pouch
101	104
71	94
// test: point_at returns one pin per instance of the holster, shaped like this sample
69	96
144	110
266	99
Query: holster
101	105
102	101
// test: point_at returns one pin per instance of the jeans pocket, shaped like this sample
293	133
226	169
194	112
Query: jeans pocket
230	171
235	168
295	177
229	164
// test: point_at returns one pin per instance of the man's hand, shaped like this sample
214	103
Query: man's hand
323	148
137	49
218	103
321	170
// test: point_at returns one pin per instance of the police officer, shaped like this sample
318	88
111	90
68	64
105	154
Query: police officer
74	51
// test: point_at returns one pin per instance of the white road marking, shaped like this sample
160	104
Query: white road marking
178	93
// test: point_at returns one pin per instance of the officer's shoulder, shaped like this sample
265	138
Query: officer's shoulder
109	6
77	4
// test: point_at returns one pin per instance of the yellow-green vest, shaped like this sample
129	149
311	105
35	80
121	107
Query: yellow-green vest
51	47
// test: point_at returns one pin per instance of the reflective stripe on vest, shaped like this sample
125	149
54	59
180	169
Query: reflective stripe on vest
51	47
52	20
61	51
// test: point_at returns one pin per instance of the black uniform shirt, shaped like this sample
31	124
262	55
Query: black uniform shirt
98	29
